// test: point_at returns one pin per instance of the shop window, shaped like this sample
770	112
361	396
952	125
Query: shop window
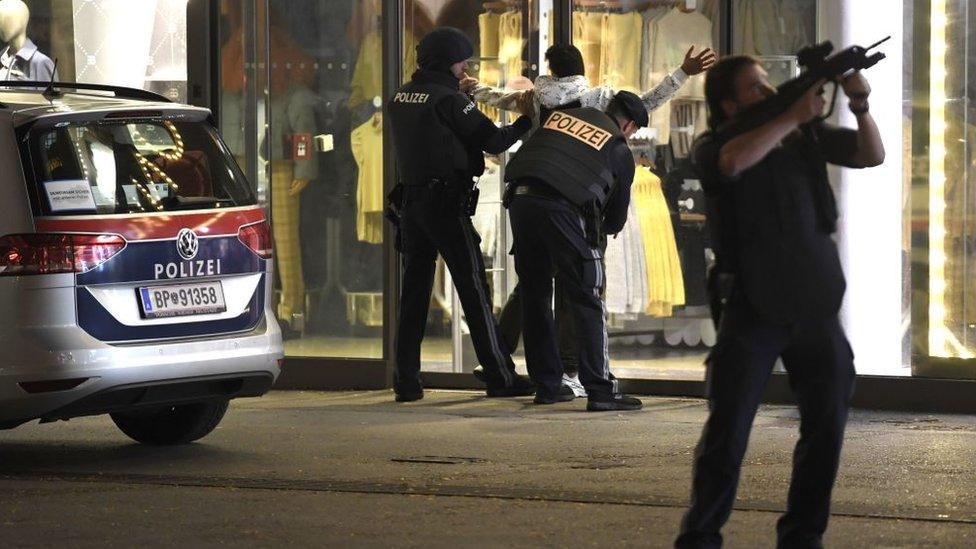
508	38
659	323
118	42
943	209
324	151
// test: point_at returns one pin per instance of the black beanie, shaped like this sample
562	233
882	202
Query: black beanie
443	47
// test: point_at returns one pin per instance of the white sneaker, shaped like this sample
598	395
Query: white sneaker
573	383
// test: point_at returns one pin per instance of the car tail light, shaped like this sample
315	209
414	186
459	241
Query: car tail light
257	236
45	253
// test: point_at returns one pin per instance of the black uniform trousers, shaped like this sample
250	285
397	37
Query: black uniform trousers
510	325
820	364
550	242
432	224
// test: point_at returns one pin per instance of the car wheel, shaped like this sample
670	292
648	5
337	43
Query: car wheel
171	425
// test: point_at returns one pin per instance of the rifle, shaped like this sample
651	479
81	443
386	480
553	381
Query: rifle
818	65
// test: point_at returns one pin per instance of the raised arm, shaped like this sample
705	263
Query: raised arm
691	66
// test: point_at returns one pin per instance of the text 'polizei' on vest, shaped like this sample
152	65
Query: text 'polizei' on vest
578	129
404	97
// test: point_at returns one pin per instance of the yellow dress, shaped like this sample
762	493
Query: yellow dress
489	71
665	283
589	36
620	65
367	148
510	44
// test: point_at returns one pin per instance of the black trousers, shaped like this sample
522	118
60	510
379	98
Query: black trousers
432	225
820	364
550	243
510	325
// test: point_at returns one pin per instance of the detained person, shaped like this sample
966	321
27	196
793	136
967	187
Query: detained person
568	87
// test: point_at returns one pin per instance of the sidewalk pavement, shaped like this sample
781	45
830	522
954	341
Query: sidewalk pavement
355	469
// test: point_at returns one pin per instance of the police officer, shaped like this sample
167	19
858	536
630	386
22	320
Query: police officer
778	273
440	136
564	183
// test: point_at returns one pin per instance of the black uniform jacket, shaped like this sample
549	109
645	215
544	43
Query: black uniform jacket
772	225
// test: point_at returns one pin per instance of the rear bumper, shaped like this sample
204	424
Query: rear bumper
113	378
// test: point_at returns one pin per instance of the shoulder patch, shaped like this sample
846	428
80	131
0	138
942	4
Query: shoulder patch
468	108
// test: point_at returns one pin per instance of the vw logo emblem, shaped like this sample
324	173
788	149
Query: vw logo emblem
187	244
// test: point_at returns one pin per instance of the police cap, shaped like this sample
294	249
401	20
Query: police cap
631	106
443	47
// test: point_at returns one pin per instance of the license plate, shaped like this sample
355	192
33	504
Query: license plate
181	300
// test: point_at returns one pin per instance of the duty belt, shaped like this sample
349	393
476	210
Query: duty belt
542	191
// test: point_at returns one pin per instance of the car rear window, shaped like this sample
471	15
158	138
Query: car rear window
124	167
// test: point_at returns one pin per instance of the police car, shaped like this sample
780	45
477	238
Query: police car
135	264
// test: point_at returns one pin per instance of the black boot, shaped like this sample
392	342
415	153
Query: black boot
617	402
409	396
521	386
565	394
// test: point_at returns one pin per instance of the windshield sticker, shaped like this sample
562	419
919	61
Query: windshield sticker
69	195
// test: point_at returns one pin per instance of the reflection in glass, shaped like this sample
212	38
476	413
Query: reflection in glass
655	296
323	153
951	299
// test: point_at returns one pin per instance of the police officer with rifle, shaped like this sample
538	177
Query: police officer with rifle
778	283
566	181
440	136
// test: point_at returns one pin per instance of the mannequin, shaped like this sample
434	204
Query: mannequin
20	59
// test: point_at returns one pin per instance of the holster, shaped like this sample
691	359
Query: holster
593	223
392	212
721	289
470	204
508	195
394	205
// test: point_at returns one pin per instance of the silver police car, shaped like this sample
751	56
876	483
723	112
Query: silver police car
135	264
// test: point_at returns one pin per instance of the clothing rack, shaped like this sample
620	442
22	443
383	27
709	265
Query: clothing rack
616	6
601	5
500	5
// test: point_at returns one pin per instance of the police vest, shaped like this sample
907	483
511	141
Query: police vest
426	148
571	153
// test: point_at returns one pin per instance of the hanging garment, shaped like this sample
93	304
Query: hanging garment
619	64
664	277
712	9
367	77
649	19
510	44
489	68
287	250
488	32
626	268
588	36
688	120
367	149
486	218
773	27
488	222
674	34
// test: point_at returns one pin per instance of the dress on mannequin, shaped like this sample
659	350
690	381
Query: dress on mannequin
294	117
